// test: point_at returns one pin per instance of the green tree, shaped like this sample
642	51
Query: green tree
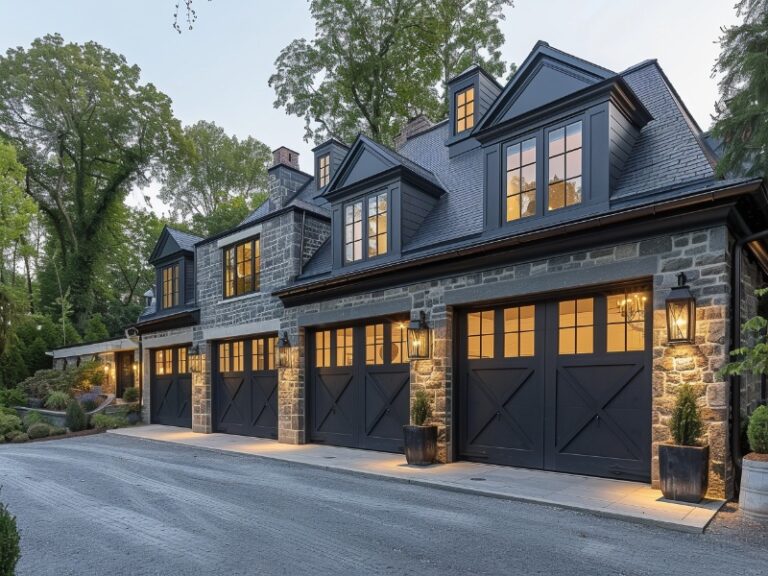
215	170
741	118
95	329
226	215
87	131
374	64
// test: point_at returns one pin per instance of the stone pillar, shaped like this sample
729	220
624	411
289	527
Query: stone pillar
291	386
201	391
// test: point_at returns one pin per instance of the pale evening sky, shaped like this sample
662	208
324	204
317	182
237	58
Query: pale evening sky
219	70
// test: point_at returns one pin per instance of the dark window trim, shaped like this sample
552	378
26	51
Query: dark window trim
255	270
456	95
364	199
319	168
175	290
562	123
536	136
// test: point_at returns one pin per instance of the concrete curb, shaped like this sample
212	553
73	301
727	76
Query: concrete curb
442	486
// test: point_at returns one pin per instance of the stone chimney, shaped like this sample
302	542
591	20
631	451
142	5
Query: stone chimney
415	126
285	156
285	178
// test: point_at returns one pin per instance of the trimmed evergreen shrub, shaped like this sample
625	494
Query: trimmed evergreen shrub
75	418
11	435
9	424
57	431
107	422
39	430
685	423
10	551
757	431
131	394
12	397
421	408
20	438
57	400
32	418
8	411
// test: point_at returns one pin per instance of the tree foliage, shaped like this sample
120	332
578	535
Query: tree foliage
374	64
87	130
219	178
741	119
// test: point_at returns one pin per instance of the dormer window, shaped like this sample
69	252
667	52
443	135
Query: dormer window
171	286
242	268
324	170
521	180
564	166
465	109
372	210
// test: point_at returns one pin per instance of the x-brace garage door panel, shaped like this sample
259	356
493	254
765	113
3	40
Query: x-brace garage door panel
170	387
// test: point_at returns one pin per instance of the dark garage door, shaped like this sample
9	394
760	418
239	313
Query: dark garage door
560	385
245	387
360	386
171	387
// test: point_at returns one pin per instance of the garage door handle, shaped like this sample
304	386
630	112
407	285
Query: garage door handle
597	419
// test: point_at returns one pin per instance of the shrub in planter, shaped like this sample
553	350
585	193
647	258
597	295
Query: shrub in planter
133	413
39	430
753	499
131	394
9	424
32	418
75	418
10	550
684	465
108	422
57	400
20	438
420	440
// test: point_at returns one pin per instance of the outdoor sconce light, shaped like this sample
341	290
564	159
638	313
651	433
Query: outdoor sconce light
193	353
284	351
681	313
419	338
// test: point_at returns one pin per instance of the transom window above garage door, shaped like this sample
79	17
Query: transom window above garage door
164	362
626	321
263	353
231	356
576	333
376	337
518	326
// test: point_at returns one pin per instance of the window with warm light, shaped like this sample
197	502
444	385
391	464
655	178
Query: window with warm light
576	326
399	343
263	353
344	347
521	180
231	356
519	331
373	212
564	167
183	360
324	170
323	349
625	319
465	109
480	333
242	266
170	286
374	344
164	362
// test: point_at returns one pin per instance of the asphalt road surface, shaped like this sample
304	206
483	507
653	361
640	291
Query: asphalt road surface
110	505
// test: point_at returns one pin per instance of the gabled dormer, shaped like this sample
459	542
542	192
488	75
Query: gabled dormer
378	200
328	157
174	262
470	94
555	141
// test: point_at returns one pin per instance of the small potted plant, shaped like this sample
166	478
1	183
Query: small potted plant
133	413
420	439
753	497
684	464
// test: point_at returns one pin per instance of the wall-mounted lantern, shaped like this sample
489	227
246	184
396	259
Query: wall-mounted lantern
195	358
419	338
681	313
284	351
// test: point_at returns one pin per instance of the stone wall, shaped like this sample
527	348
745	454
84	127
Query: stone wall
751	278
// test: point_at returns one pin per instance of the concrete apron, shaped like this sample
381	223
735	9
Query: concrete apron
631	501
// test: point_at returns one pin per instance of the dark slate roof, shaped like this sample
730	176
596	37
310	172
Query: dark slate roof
185	240
321	261
305	198
260	212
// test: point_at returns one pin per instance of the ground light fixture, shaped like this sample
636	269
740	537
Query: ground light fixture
681	313
419	338
284	351
194	358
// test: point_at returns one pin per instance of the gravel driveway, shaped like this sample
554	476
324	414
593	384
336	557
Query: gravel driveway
113	505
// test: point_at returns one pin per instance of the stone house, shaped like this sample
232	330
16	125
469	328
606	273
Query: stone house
534	236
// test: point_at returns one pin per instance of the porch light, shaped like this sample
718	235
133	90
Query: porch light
284	351
681	313
419	338
193	353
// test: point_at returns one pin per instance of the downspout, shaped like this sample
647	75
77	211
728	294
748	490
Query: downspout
736	448
301	243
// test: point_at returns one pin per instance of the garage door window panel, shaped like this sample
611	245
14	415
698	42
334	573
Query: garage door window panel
625	321
344	347
480	334
519	331
164	362
374	344
400	343
263	354
576	326
323	349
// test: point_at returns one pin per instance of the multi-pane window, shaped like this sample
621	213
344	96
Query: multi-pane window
374	344
519	331
480	331
353	232
231	356
625	331
372	211
323	349
465	109
377	225
183	360
242	265
263	353
565	166
344	355
521	180
399	343
164	362
576	326
324	170
171	286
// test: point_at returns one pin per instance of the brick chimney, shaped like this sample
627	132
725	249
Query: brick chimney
285	178
415	126
285	156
